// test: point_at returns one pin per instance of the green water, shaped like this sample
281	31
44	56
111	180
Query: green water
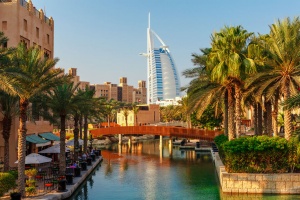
145	172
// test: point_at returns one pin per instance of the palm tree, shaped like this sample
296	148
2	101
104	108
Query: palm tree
86	109
39	76
282	46
62	100
125	112
135	110
228	63
9	109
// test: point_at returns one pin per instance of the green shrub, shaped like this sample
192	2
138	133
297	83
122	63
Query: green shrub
7	182
14	173
31	190
260	154
220	139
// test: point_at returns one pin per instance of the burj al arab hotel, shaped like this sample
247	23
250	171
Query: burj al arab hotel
162	77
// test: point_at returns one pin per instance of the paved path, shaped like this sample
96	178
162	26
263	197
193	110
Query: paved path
70	188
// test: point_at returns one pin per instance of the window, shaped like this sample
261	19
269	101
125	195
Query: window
4	25
48	39
25	25
37	31
47	53
25	41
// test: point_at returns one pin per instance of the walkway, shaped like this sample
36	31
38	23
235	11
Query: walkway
169	131
53	195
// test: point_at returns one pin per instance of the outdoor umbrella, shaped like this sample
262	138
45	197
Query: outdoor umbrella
71	142
53	149
35	158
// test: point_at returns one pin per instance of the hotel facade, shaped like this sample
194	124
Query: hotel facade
163	81
20	21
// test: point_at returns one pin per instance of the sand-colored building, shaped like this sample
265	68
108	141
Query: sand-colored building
147	114
22	22
121	92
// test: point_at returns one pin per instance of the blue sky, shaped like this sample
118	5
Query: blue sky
103	39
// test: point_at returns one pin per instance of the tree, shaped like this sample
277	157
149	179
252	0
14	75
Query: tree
209	120
229	65
8	72
9	110
282	46
39	76
86	109
62	100
135	110
125	112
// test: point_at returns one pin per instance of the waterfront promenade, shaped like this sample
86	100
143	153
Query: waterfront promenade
70	189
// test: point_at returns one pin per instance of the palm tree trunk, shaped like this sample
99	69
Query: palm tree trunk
22	146
76	133
85	130
226	113
265	119
269	118
62	154
288	128
238	110
275	115
259	119
80	127
255	118
7	121
231	134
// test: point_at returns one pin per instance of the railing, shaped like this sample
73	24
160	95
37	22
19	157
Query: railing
158	130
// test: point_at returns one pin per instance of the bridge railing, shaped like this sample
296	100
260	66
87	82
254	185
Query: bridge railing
158	130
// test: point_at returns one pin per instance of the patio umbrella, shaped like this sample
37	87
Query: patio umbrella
35	158
54	149
71	142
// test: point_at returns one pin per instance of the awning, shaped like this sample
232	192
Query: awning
49	136
35	139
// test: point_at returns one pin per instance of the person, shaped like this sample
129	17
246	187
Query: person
83	156
75	165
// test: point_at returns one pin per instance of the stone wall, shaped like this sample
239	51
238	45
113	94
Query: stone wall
285	183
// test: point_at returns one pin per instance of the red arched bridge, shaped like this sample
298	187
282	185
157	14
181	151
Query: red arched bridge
169	131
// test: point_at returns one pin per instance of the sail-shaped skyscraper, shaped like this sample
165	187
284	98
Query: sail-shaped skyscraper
162	77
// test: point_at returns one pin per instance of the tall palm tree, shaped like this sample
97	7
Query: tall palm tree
125	112
86	109
135	110
62	100
39	76
282	46
229	62
9	110
8	72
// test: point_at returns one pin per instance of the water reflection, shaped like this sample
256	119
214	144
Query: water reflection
145	171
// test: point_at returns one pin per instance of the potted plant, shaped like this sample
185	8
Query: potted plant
15	196
31	173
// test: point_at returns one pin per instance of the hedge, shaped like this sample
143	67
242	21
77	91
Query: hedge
7	182
258	154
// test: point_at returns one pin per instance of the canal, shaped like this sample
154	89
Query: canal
145	172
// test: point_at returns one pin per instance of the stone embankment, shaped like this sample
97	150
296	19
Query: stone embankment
283	183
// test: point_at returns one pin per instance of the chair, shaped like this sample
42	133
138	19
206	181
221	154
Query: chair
48	184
